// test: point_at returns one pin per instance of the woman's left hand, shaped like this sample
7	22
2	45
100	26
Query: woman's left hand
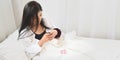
52	34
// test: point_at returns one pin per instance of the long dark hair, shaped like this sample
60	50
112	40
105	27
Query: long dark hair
30	12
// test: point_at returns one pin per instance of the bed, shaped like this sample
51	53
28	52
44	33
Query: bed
82	49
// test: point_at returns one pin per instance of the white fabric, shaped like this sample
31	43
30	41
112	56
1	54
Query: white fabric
31	47
10	48
72	48
30	44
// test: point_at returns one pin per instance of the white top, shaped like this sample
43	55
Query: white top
31	45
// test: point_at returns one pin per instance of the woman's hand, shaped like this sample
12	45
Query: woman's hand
47	37
52	34
44	39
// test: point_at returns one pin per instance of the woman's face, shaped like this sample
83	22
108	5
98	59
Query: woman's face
39	19
39	16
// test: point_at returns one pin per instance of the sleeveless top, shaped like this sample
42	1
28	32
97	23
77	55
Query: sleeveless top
39	36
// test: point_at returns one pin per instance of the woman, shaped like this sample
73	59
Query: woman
33	31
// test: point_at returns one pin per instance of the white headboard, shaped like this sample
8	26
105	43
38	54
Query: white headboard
7	21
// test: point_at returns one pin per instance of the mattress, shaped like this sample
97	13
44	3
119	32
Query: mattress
76	48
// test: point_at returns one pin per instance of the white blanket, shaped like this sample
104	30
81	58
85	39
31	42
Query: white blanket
75	48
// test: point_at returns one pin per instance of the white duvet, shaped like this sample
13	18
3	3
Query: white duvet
74	48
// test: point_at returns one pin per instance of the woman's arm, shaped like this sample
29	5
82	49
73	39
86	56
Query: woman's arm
31	47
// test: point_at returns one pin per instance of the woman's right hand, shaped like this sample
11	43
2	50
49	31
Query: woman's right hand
44	39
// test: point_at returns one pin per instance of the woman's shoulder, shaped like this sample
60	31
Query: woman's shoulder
25	33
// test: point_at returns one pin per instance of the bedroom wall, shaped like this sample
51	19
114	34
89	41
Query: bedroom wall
7	22
118	21
18	6
89	18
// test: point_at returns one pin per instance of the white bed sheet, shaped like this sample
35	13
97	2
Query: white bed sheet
78	48
10	48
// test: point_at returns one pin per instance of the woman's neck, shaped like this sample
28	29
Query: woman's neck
39	29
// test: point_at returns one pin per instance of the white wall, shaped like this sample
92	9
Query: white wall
7	24
18	6
89	18
54	11
118	21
